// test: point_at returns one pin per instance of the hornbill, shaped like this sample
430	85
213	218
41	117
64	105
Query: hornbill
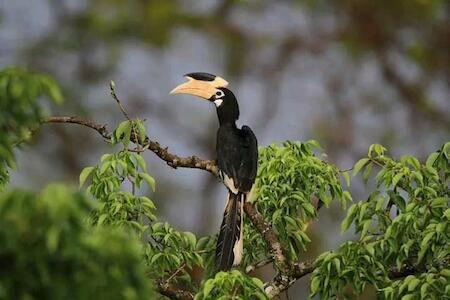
237	159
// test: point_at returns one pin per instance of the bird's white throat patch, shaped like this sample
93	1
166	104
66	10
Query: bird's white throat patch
218	102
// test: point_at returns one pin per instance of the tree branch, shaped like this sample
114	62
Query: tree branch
101	129
282	282
174	292
262	263
269	236
299	270
172	160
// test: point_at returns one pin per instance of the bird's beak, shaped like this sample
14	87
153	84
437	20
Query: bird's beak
200	88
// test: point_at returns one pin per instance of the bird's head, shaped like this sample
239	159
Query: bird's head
213	89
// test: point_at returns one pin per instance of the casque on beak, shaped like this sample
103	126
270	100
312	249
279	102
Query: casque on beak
204	87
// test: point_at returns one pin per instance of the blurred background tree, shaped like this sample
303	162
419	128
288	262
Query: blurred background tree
347	73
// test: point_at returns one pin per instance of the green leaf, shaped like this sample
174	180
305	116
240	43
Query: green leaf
141	162
202	243
423	290
380	203
315	285
106	156
52	89
258	283
365	228
413	284
155	257
431	159
85	174
351	214
191	238
124	128
102	219
367	172
141	131
337	264
207	288
315	144
149	179
447	213
359	165
379	149
397	178
440	202
346	178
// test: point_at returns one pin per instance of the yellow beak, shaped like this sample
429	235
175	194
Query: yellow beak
200	88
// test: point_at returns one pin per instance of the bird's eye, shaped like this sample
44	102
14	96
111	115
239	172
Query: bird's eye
219	94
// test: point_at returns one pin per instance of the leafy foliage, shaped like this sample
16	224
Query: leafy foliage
232	285
20	111
117	206
289	176
48	251
168	253
103	247
403	225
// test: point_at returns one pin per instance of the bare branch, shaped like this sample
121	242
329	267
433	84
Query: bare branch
101	129
172	160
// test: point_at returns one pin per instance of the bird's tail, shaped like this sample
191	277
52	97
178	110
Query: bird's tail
230	242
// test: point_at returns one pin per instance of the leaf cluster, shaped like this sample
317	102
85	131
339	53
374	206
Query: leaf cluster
20	111
232	285
403	225
49	251
168	254
118	206
289	177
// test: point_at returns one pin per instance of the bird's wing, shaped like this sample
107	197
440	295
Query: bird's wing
238	159
248	162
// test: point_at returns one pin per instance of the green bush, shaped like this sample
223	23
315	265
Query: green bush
48	250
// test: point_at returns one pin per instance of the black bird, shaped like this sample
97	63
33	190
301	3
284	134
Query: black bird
237	159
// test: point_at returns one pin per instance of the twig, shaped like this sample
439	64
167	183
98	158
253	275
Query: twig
258	265
178	270
345	170
112	87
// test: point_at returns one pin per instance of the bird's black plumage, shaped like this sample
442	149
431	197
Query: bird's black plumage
237	159
237	155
